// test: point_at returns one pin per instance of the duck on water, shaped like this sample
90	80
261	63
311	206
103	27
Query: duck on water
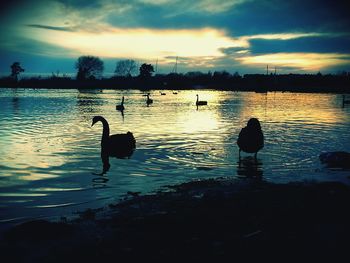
116	145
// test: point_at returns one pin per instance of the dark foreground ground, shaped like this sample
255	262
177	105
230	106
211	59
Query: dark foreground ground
210	220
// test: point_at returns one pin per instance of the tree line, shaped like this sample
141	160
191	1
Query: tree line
91	67
129	75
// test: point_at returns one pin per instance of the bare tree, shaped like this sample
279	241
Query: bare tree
16	69
125	68
89	67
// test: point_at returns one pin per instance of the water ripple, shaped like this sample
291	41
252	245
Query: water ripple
50	154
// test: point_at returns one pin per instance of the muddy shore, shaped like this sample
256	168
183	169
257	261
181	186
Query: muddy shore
213	220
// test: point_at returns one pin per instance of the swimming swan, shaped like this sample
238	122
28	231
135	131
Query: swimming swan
200	102
121	106
116	145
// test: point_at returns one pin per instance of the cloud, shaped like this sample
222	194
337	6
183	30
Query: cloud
203	33
322	44
69	29
274	16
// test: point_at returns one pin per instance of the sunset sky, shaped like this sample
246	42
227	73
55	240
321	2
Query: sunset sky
298	36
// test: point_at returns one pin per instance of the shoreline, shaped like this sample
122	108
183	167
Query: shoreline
260	83
205	219
100	89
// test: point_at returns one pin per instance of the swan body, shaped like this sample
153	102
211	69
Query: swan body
120	107
116	145
162	93
251	138
149	101
335	159
200	102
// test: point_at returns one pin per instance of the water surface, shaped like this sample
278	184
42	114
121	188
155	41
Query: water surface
49	153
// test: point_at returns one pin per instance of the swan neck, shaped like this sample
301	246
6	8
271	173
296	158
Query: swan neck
105	133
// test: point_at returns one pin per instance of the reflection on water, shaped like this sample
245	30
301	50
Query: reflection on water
49	152
250	167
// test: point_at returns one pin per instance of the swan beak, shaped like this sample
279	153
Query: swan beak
93	122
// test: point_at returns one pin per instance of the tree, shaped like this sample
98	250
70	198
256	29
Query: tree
89	67
125	68
16	69
146	70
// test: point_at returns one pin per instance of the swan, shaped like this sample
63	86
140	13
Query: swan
149	101
335	159
116	145
121	106
162	93
200	102
251	138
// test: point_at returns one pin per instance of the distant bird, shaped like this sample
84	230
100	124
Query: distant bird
335	159
174	92
121	106
251	138
116	145
162	93
149	101
200	102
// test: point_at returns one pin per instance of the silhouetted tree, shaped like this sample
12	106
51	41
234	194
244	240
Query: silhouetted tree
146	70
16	69
236	75
125	68
89	67
221	74
194	74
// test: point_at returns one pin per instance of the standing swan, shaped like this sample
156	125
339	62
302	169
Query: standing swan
116	145
200	102
251	138
149	101
120	107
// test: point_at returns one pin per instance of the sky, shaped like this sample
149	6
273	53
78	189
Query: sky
297	36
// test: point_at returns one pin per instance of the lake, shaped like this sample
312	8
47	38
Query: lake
50	154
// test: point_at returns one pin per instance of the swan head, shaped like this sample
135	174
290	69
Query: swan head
254	123
96	119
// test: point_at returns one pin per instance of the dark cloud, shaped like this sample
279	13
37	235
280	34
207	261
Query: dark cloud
81	4
178	58
52	27
232	50
325	44
245	18
274	16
